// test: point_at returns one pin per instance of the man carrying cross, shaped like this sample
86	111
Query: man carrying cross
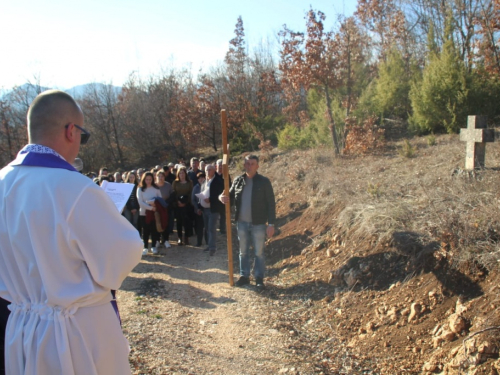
253	196
63	248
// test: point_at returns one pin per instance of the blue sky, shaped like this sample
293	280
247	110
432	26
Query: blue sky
67	43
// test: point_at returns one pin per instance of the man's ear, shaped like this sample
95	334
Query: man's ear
70	132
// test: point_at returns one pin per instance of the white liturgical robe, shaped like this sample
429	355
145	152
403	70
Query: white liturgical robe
63	247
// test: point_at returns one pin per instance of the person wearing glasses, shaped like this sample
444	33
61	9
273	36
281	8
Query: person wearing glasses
56	271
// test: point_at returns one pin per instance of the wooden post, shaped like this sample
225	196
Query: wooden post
225	172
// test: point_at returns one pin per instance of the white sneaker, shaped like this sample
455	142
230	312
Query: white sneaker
167	245
145	252
154	250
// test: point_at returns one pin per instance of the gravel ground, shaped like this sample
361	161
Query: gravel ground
181	316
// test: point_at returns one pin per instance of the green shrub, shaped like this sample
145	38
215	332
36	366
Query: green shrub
431	140
440	99
407	150
292	138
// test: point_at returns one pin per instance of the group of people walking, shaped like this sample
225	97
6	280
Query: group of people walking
195	198
188	197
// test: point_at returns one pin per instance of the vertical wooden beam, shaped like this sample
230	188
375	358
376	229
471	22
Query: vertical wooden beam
225	172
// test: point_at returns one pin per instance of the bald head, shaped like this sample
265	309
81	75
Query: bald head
49	113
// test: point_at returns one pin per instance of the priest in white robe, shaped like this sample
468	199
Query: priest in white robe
63	248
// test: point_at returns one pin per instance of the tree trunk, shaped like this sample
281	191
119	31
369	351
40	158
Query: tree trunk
5	123
214	143
331	121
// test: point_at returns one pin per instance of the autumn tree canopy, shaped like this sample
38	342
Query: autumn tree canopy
421	64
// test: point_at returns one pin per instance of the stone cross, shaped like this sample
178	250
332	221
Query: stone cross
476	135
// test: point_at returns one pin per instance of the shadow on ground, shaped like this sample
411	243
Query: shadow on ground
185	294
408	256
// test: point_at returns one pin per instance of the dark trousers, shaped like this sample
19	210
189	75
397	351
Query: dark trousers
149	229
139	225
183	221
164	236
200	229
222	226
171	217
4	315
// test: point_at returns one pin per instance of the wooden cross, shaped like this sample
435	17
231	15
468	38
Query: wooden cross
225	172
476	135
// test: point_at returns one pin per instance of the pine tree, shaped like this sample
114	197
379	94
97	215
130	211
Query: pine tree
392	88
440	99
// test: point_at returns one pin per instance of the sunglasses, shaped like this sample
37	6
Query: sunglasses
85	135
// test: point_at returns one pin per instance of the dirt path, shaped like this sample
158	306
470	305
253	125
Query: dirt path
182	317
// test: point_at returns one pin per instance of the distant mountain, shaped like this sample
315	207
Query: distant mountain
80	90
23	94
26	93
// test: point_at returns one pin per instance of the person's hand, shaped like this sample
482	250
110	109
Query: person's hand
133	211
224	198
270	231
199	212
153	208
179	204
207	200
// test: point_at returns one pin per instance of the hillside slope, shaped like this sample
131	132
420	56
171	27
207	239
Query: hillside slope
395	258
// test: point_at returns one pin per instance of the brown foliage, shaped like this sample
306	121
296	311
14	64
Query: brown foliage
313	61
363	139
489	27
386	21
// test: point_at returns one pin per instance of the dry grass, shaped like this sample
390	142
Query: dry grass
378	196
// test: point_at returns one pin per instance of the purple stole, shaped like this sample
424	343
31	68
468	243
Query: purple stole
35	159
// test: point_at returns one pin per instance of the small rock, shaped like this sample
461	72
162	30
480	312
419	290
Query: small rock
457	323
405	311
448	335
496	365
336	277
370	326
487	348
393	311
430	366
454	351
436	341
436	330
415	310
330	253
395	285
